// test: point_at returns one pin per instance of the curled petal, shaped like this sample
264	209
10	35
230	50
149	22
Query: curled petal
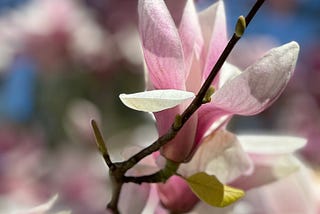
161	45
208	116
221	155
156	100
260	84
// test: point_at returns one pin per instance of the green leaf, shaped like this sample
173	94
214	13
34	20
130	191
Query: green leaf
210	190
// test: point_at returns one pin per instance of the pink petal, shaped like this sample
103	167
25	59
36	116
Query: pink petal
176	195
186	19
194	79
181	146
207	116
214	30
161	45
260	84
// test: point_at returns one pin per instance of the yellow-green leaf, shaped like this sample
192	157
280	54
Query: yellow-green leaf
210	190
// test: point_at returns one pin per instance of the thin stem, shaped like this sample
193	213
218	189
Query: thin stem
197	101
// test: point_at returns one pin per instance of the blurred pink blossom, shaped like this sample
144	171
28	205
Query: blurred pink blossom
56	31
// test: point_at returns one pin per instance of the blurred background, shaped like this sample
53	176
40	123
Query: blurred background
64	62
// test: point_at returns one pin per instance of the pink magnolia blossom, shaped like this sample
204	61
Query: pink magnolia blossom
180	53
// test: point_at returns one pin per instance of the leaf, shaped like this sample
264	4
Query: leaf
210	190
155	100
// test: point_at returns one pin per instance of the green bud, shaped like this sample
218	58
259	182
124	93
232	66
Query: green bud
240	26
207	96
177	122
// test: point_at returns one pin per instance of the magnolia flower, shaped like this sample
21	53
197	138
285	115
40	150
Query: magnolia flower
179	54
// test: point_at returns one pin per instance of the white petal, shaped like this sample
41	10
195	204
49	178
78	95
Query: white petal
286	165
221	155
156	100
271	144
267	169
